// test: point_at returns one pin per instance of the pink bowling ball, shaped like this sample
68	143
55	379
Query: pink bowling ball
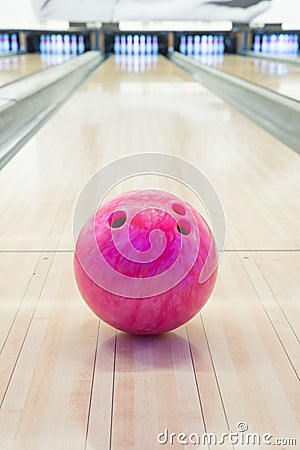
145	262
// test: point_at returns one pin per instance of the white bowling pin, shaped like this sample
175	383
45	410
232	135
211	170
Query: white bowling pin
129	45
142	44
196	45
123	45
149	45
53	44
67	45
136	45
6	43
204	48
42	44
81	45
221	45
210	44
48	44
14	43
256	45
190	46
182	45
296	43
59	44
155	45
74	44
264	44
272	43
216	47
117	45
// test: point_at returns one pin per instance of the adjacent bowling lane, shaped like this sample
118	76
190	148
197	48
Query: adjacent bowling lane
15	67
281	77
70	381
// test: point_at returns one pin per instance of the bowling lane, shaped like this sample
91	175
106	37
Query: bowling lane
15	67
160	109
279	76
68	381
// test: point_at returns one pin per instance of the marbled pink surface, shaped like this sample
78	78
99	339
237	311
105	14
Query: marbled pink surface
143	277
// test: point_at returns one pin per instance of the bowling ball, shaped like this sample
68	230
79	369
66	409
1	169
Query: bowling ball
145	262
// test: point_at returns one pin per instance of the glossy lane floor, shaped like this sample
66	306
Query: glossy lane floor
69	381
281	77
15	67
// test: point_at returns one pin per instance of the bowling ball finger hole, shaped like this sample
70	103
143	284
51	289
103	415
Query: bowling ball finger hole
178	209
117	219
184	227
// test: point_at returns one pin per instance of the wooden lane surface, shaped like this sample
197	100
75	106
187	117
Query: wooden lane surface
280	77
14	67
69	381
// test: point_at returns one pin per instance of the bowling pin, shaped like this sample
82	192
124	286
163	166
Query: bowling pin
59	44
272	43
149	45
129	45
280	43
142	45
6	43
67	45
256	45
42	44
123	45
288	44
81	45
296	43
204	45
196	45
182	45
74	44
117	45
264	44
268	43
14	43
221	45
136	45
190	46
210	45
277	43
53	44
48	44
155	45
216	47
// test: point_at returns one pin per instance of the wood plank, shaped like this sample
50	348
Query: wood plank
21	318
281	271
257	382
155	390
47	401
17	270
100	416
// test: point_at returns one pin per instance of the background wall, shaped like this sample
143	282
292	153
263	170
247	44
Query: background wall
31	12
